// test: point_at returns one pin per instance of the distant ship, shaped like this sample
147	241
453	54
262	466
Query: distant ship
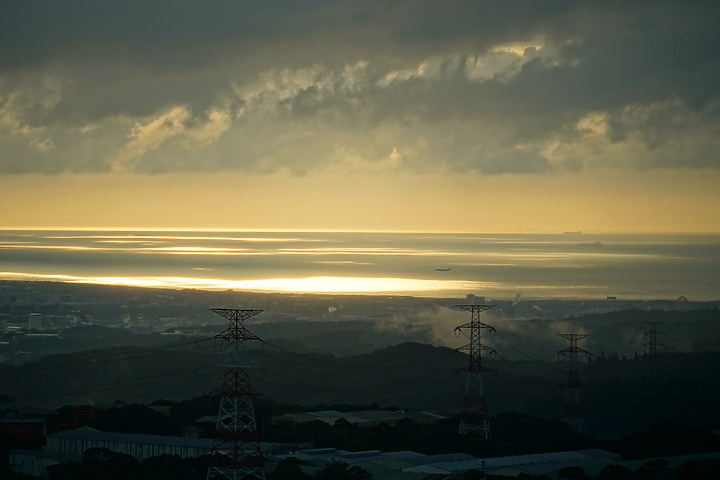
573	233
443	269
590	244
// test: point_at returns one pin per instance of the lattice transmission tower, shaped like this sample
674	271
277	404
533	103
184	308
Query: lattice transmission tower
236	451
572	411
651	337
474	416
651	343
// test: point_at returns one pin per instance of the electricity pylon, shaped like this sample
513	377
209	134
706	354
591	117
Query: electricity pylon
572	411
651	336
236	451
650	346
474	417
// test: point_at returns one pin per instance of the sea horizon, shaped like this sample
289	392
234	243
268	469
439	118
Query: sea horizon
565	265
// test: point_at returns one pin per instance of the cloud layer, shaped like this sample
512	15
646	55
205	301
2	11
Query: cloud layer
302	86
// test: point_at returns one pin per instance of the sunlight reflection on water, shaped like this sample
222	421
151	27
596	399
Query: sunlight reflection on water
432	265
298	285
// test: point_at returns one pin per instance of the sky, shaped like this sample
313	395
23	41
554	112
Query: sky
404	115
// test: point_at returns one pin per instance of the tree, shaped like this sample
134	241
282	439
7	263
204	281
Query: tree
135	419
697	470
474	474
99	456
572	473
96	463
616	472
167	467
288	469
341	471
653	470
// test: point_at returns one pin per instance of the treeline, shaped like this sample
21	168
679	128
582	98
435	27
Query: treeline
621	394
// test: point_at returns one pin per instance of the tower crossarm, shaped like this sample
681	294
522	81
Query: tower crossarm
474	325
476	308
479	347
654	332
236	331
235	314
574	337
571	350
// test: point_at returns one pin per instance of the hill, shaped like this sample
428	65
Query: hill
623	395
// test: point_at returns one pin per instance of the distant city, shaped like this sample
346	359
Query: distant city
74	356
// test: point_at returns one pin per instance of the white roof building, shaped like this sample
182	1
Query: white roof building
535	464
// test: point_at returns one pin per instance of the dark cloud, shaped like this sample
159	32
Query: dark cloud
464	85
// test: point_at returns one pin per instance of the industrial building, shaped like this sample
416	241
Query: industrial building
363	418
69	445
76	442
36	321
408	462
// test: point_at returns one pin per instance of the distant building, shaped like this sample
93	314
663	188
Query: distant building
363	418
36	321
535	464
84	413
70	445
409	462
76	442
23	429
474	299
34	463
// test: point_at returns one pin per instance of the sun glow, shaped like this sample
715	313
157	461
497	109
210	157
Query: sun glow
351	285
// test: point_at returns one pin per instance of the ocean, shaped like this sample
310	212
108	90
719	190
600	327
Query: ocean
497	266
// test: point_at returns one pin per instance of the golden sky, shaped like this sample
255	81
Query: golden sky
507	116
657	201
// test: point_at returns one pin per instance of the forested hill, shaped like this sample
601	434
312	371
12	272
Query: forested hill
622	394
